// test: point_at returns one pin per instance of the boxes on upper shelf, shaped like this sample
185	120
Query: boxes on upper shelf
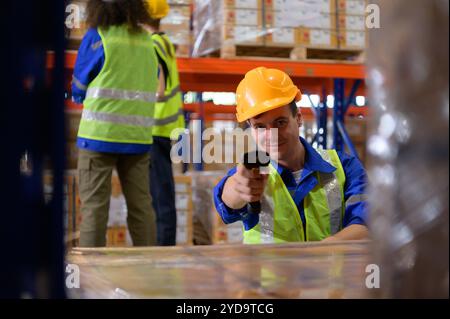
354	7
243	4
350	39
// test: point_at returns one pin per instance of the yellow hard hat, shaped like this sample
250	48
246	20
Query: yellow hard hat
263	90
157	9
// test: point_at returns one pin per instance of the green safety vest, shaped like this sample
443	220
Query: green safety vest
168	109
119	104
324	207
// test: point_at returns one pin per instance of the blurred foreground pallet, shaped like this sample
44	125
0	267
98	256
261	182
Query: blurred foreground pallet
311	270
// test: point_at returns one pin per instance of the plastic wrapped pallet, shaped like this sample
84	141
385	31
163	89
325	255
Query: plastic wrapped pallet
221	24
226	25
409	148
296	270
177	26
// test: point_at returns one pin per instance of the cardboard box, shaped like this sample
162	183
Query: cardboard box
282	37
351	22
317	38
116	236
227	233
183	202
243	34
178	15
281	19
243	4
248	17
355	7
349	39
297	5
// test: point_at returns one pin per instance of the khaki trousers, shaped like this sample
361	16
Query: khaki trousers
94	172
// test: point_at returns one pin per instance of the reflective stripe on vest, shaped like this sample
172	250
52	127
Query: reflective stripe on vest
124	95
279	220
168	109
133	120
169	95
119	104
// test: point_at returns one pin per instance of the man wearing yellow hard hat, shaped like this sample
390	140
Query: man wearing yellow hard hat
307	195
168	117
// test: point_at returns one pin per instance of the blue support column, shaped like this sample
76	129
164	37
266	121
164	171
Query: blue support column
340	135
338	113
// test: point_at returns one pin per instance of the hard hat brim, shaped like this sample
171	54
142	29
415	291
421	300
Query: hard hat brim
268	106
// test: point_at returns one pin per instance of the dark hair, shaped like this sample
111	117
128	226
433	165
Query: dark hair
293	107
104	14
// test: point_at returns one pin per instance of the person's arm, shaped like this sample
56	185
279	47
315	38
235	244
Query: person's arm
229	214
244	187
355	218
352	232
90	61
161	81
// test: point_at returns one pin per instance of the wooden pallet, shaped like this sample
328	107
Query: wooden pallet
290	53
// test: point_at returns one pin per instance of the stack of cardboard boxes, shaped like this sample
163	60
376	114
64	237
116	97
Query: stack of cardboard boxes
209	227
184	206
317	24
222	24
352	24
177	26
309	23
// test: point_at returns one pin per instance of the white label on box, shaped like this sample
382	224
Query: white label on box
182	201
356	39
181	235
285	36
355	7
251	4
247	17
181	188
320	37
182	218
355	22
